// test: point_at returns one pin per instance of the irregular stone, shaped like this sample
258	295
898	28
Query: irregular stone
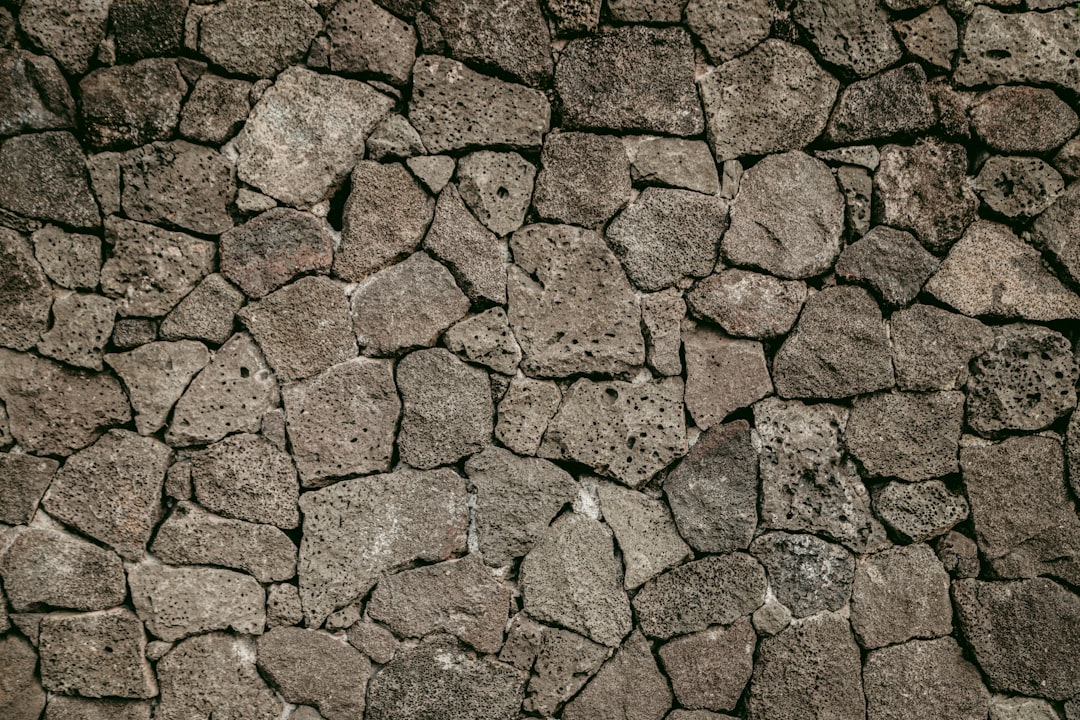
125	106
427	510
629	685
1026	381
899	594
393	139
662	315
673	162
623	430
524	413
205	313
959	554
802	241
722	375
454	107
486	339
152	269
192	536
216	109
69	259
54	410
366	38
25	480
474	255
433	171
447	408
857	187
178	184
630	78
932	347
104	170
342	421
860	113
1016	119
1024	523
570	305
771	618
311	667
924	189
930	36
65	707
155	376
70	32
807	485
177	602
648	11
563	663
438	679
211	675
373	640
748	304
1020	708
283	28
715	590
574	16
132	332
497	187
50	568
772	99
25	297
82	325
231	394
1023	634
307	131
645	531
246	477
839	348
855	36
584	180
35	94
144	29
730	29
919	511
665	236
43	175
283	607
709	669
461	597
923	679
864	156
1054	230
342	619
906	435
1018	186
385	218
96	654
807	574
1024	48
890	261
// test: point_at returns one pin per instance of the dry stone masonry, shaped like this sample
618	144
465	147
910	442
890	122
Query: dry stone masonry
553	359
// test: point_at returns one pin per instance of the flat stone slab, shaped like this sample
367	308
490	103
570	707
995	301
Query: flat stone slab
311	667
48	568
98	654
177	602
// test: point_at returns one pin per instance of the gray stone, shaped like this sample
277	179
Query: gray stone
69	259
497	187
306	132
104	170
192	536
205	313
111	491
1021	708
627	431
144	29
839	348
722	375
807	484
82	325
405	516
729	29
275	34
771	618
1018	186
584	180
342	421
1026	381
373	640
802	240
246	477
645	531
1025	524
26	295
629	686
461	597
394	138
908	436
130	333
857	187
807	574
662	315
1054	232
574	16
561	665
1012	119
890	261
433	171
311	667
571	578
959	554
648	11
932	347
864	156
861	114
177	602
809	670
930	36
152	269
385	218
709	669
853	35
43	176
923	680
35	95
474	255
1023	634
748	304
231	394
125	106
64	707
454	107
716	590
366	38
269	250
283	607
25	480
96	654
50	568
54	410
69	31
1025	48
570	305
673	162
486	339
919	511
438	679
630	78
211	675
343	618
524	413
923	188
665	236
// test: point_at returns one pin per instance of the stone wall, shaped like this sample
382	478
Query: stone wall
477	360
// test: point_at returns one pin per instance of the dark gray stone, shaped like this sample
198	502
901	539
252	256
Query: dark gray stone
930	36
1023	48
892	103
25	480
851	34
908	436
51	569
269	250
584	179
919	511
367	38
205	313
43	176
145	29
662	315
246	477
710	669
524	413
25	293
125	106
1017	119
474	255
807	574
673	162
311	667
629	685
729	29
722	375
69	259
486	339
283	28
177	602
1018	187
70	32
923	680
643	527
890	261
82	325
497	187
35	95
1055	231
748	304
21	696
70	707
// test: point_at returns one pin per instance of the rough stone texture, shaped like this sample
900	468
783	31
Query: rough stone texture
584	179
35	95
853	35
561	662
310	667
715	590
342	421
426	508
722	375
923	679
486	339
930	36
524	413
729	29
283	607
919	511
82	325
932	347
1031	47
246	477
216	109
21	695
25	480
861	113
709	669
645	531
177	602
497	187
257	38
44	176
155	376
69	259
623	430
205	313
146	29
1053	231
839	348
474	255
125	106
70	707
807	574
47	568
673	162
25	293
787	218
906	435
772	99
890	261
662	315
628	686
69	31
1017	186
748	304
367	38
1016	119
373	640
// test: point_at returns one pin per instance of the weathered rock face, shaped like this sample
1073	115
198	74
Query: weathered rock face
26	479
585	178
98	654
49	568
748	304
646	534
906	435
709	669
125	106
177	602
284	29
26	296
44	176
1024	48
921	510
722	375
1017	119
854	35
923	679
890	261
807	574
629	685
247	478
